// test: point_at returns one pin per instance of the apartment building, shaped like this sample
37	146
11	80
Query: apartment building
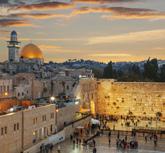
21	130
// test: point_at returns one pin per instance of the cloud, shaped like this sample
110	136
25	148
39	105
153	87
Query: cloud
106	1
4	31
6	10
110	55
49	47
16	12
22	10
52	39
134	13
45	6
40	16
121	13
131	37
14	22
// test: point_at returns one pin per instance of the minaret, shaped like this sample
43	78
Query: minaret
13	46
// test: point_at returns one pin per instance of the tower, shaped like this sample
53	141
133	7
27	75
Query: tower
13	48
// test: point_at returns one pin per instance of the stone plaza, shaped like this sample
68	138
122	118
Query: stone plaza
103	146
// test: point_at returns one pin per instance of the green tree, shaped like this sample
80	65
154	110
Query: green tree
134	73
98	73
108	71
151	70
162	73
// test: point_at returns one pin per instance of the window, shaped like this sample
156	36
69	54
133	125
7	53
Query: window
51	128
35	120
5	130
44	118
7	88
52	115
2	131
15	128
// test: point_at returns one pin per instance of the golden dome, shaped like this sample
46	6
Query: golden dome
31	51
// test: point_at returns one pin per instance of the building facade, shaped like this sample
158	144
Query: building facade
6	87
23	129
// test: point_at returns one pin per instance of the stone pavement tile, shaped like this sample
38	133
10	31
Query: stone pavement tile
103	146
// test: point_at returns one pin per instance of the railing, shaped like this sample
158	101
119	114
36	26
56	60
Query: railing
72	122
68	124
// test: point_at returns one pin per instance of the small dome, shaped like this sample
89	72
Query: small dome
31	51
13	33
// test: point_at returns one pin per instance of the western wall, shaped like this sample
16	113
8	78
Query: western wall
130	98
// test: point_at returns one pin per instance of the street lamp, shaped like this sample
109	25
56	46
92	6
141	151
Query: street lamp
52	99
77	102
6	93
57	110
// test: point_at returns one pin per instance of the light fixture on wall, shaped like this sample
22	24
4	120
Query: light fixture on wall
6	93
52	99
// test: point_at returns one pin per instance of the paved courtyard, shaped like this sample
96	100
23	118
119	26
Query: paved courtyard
103	146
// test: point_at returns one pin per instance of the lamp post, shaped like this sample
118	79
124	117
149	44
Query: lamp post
158	116
56	118
52	99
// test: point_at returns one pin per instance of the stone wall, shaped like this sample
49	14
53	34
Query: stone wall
38	124
11	133
87	92
136	98
66	115
71	128
54	139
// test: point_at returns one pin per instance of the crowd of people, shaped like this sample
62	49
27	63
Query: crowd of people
86	137
46	148
151	137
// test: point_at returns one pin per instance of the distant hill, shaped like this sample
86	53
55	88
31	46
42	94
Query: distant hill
90	64
99	66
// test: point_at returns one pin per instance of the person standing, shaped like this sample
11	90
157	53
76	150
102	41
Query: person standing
59	149
109	134
109	140
155	140
51	147
145	138
71	137
118	135
94	150
94	142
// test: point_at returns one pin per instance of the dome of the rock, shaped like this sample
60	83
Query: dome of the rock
31	51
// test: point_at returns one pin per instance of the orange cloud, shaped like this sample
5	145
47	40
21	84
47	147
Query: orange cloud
105	1
14	22
134	13
41	16
49	47
121	13
45	6
131	37
110	55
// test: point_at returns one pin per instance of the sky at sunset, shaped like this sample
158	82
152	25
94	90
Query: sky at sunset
101	30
